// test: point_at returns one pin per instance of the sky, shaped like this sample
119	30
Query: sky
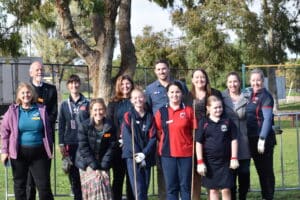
145	13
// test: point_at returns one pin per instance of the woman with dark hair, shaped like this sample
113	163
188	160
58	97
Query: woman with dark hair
26	137
174	124
261	136
70	113
235	109
117	107
197	98
96	139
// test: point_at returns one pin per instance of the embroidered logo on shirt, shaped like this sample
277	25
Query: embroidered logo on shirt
182	115
82	108
156	92
36	116
107	135
224	128
40	100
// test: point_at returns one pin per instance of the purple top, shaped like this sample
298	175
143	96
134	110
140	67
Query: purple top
10	132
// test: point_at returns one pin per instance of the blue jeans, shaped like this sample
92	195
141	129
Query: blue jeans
178	176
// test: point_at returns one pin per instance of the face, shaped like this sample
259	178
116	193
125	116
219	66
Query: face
199	80
25	95
162	71
36	71
174	94
97	112
256	82
215	109
233	84
126	87
74	87
137	99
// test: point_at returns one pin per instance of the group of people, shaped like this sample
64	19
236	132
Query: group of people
202	137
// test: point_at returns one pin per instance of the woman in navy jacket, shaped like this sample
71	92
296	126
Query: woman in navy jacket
260	133
96	139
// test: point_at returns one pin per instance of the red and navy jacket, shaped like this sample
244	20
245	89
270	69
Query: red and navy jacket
175	131
259	112
144	135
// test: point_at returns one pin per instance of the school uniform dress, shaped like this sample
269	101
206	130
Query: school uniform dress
145	142
71	114
175	146
259	124
216	139
95	152
236	111
115	112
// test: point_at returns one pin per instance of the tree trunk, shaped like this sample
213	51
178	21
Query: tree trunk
128	58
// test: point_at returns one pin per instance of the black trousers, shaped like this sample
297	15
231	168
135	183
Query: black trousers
73	175
242	176
264	165
119	171
35	161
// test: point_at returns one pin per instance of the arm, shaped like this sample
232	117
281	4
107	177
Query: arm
61	130
84	146
53	110
107	157
152	139
267	123
234	148
5	134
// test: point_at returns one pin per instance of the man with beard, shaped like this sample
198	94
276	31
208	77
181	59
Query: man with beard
47	95
156	94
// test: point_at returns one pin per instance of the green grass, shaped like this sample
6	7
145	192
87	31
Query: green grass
290	107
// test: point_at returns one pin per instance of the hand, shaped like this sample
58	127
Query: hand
201	169
120	142
4	157
63	151
143	163
234	163
261	146
101	174
139	157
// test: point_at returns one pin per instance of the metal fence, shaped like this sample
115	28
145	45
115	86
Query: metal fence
57	74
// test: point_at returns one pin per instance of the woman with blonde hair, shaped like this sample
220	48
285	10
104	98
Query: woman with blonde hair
27	141
96	139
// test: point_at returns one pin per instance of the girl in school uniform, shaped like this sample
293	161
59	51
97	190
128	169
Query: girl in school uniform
174	124
138	129
216	149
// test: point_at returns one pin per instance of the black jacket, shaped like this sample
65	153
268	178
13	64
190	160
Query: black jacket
47	95
95	149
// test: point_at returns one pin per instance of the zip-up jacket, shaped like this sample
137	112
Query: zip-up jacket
95	148
144	135
70	110
174	130
47	95
10	132
260	114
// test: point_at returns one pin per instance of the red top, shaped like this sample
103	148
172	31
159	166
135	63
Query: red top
175	131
